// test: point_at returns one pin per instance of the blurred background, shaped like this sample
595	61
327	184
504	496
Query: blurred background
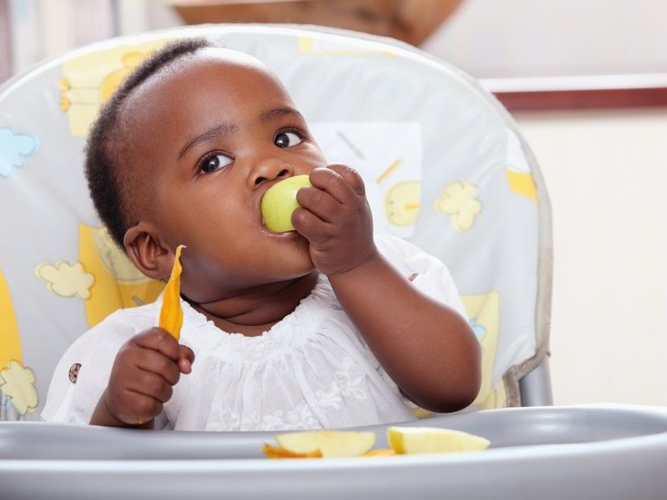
586	81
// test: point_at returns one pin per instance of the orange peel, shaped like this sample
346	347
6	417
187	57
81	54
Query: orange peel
278	452
171	312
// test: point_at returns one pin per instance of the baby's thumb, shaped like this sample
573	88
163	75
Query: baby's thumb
185	359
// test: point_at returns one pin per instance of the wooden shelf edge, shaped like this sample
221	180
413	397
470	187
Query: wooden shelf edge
597	92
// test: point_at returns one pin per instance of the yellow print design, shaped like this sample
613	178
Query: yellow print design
17	383
459	199
89	80
483	313
118	284
333	48
402	202
65	279
520	179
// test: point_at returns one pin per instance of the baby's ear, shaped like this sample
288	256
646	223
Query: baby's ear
147	252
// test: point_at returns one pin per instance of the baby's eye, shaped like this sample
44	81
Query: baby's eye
287	139
216	162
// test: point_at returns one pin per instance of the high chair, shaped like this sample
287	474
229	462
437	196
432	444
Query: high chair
445	168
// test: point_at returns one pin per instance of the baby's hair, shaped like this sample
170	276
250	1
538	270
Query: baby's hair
116	196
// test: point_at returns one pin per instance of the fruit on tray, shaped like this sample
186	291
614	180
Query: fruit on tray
321	444
414	440
380	452
403	441
279	202
277	452
171	313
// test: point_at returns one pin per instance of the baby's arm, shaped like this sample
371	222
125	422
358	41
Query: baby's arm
145	369
426	347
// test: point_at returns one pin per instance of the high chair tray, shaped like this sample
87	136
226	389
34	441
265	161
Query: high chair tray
596	451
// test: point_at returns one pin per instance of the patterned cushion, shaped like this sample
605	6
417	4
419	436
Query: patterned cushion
444	166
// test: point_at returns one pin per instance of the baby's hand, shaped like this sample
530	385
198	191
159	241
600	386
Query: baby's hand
145	369
336	219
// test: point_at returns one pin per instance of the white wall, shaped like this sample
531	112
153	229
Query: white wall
607	176
519	38
41	29
137	16
606	173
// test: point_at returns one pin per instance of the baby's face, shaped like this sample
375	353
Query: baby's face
212	137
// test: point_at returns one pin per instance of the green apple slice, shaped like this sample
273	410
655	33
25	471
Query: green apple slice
413	440
330	443
279	202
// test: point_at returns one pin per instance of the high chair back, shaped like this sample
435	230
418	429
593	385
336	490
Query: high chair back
444	166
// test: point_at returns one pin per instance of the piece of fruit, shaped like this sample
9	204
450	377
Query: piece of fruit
279	202
171	313
412	440
329	443
275	452
380	452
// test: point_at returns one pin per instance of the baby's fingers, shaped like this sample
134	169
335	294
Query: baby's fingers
351	176
151	385
158	340
310	226
327	179
319	202
185	359
156	362
140	409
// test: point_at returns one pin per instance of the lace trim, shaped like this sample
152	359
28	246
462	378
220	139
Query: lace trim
295	329
344	386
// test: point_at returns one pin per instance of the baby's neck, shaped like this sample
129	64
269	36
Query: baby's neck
256	312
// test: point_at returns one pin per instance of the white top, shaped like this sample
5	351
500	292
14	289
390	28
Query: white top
311	370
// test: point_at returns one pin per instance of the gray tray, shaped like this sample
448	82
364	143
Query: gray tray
587	452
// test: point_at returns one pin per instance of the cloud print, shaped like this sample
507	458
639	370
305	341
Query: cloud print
459	200
18	384
14	148
65	279
479	330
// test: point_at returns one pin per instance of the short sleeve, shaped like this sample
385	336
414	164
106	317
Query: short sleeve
82	373
427	273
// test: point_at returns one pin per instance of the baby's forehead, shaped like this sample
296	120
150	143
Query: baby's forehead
209	69
218	61
208	85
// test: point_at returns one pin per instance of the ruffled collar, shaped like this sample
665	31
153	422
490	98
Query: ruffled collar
294	329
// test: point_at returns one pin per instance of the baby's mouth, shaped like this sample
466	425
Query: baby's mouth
278	203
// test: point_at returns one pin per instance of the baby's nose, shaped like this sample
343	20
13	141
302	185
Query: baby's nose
270	169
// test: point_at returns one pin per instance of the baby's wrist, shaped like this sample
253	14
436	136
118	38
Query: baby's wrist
102	415
368	264
119	422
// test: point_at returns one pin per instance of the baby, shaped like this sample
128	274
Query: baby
325	326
